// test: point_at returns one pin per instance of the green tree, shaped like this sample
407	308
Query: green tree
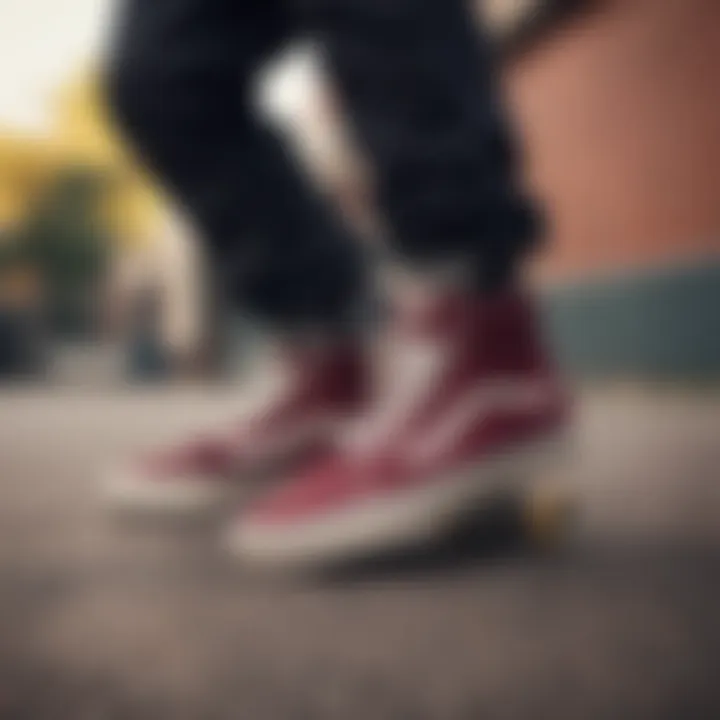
64	239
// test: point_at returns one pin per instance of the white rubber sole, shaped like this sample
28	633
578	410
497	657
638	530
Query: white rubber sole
406	518
129	491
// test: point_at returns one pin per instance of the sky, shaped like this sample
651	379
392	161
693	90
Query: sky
42	42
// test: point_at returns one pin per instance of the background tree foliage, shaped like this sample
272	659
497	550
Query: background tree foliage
64	241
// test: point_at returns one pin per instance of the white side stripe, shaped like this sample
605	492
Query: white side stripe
407	372
521	396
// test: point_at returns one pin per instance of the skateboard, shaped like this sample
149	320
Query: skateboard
547	515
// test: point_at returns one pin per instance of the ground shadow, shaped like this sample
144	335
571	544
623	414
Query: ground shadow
486	535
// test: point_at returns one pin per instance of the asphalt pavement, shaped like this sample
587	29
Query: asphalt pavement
101	620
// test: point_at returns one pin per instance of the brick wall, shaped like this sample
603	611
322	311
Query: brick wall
620	115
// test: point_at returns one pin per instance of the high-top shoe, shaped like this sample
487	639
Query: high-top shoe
473	403
319	385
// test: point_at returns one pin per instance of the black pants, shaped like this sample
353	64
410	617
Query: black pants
416	80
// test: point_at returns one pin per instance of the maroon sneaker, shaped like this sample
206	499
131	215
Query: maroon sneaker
472	405
319	386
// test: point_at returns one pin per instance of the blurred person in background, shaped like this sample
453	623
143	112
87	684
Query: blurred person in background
371	450
155	299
